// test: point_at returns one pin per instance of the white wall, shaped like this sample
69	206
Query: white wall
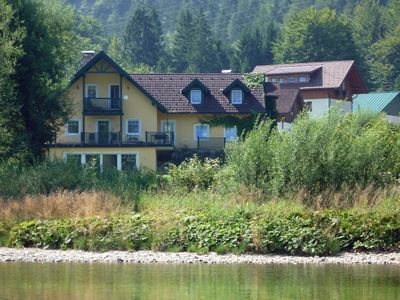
284	126
393	119
319	107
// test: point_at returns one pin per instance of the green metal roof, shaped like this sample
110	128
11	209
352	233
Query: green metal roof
373	101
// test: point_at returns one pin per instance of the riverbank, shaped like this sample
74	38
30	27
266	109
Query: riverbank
150	257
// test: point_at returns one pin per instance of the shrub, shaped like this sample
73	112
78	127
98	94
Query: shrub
317	155
194	174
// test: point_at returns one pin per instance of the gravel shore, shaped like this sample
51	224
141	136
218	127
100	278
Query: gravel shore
59	256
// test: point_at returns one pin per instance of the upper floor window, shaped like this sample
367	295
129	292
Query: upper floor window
303	79
201	131
237	96
281	80
230	133
91	91
274	80
72	127
195	96
133	127
292	79
114	91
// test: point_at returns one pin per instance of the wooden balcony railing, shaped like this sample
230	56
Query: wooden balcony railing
102	105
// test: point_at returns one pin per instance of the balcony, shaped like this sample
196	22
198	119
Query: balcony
115	139
102	106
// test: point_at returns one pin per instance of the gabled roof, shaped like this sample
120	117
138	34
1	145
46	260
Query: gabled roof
195	84
236	84
327	74
285	97
167	89
103	56
375	102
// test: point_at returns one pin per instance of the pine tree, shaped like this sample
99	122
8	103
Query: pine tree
182	41
142	41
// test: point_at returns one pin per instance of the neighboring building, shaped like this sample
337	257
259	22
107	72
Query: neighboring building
322	84
127	121
288	102
387	102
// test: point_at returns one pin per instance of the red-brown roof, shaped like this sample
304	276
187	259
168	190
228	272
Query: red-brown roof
326	74
167	89
288	100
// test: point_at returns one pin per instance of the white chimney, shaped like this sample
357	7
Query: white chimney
87	56
226	71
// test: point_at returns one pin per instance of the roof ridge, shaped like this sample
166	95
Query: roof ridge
305	63
191	74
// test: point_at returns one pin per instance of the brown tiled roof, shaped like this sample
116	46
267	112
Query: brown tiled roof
288	100
327	74
167	89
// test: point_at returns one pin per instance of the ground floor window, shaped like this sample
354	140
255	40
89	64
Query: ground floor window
230	133
105	161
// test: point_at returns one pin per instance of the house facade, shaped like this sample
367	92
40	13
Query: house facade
128	121
321	84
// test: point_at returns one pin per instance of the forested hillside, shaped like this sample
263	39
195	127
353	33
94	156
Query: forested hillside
209	35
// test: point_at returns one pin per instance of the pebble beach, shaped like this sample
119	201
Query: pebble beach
150	257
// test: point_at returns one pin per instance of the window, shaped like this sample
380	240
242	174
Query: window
72	127
114	91
292	79
128	162
91	91
133	127
195	96
201	131
168	126
74	159
236	96
303	79
281	80
230	133
274	80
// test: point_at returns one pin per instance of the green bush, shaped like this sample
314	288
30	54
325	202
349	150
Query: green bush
302	233
317	155
194	174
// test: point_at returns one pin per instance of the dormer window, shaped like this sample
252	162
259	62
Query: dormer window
195	96
237	96
303	79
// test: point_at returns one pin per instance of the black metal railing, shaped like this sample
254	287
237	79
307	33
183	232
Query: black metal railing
100	138
102	105
160	138
210	143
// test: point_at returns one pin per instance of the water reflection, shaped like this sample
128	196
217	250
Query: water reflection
117	281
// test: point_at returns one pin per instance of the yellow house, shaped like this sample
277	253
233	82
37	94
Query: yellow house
126	120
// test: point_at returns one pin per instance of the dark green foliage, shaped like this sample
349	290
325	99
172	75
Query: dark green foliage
315	35
302	233
142	41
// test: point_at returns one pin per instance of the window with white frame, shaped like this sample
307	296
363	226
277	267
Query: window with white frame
72	127
195	96
237	96
133	127
281	80
292	79
73	159
230	133
91	91
201	131
274	80
128	162
168	126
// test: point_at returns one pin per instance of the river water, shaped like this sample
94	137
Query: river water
158	281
